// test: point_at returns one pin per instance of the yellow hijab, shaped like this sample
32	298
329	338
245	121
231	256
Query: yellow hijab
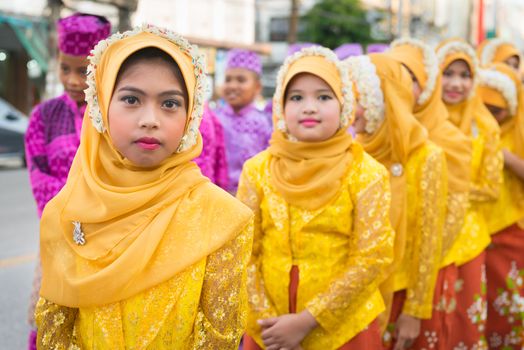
472	109
309	174
431	112
398	134
496	50
135	227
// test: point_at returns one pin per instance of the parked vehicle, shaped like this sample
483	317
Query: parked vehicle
13	125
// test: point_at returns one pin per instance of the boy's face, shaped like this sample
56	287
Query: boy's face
241	87
72	75
311	109
147	113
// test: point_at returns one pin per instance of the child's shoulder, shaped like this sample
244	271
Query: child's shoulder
216	199
51	106
365	165
257	162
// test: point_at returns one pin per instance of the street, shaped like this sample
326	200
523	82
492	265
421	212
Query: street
18	248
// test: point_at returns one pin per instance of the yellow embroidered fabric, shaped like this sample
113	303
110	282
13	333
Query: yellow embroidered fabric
507	209
341	250
427	187
204	307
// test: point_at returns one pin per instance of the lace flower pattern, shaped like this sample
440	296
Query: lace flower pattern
363	74
430	65
503	84
347	93
95	114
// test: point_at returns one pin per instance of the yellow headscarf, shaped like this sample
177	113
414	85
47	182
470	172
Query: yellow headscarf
397	136
431	112
309	174
496	50
472	109
135	227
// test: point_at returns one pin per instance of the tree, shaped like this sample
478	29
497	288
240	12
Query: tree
332	23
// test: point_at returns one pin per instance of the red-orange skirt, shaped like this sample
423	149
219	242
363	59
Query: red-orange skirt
505	274
468	322
367	339
434	331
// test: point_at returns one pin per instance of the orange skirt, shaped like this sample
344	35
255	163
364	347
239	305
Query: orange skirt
505	274
468	322
367	339
435	331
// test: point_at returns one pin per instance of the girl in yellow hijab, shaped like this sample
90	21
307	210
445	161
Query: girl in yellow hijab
139	250
421	61
322	232
460	70
499	50
501	91
389	132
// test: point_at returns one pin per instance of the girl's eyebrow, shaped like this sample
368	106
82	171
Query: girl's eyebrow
319	90
141	92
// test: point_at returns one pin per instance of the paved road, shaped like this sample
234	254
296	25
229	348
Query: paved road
18	247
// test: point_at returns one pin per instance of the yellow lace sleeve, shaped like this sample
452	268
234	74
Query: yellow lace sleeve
259	304
221	318
432	188
55	325
371	252
488	169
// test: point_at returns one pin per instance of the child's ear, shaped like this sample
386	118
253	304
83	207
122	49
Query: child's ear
258	84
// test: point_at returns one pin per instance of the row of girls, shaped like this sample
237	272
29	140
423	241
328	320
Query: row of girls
396	239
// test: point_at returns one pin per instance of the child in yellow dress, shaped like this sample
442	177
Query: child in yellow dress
139	250
389	132
460	74
502	93
322	236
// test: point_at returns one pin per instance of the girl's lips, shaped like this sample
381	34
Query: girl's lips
309	122
148	143
453	94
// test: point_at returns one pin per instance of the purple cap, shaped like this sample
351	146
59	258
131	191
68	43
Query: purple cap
298	46
79	33
372	48
347	50
239	58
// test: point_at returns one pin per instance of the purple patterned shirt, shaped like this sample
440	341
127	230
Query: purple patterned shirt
246	134
212	160
51	142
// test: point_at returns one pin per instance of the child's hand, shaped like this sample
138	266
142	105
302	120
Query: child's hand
286	331
407	330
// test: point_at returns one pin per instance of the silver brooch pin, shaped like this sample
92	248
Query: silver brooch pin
78	235
397	169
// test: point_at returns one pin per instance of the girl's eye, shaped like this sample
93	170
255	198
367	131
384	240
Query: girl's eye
447	73
172	104
324	97
295	98
130	100
64	69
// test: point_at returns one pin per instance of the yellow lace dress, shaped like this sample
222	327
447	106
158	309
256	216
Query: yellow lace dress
417	272
204	307
487	170
340	249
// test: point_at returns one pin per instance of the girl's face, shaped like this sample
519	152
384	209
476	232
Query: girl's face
417	90
147	113
311	109
500	114
241	87
72	75
359	124
456	82
513	62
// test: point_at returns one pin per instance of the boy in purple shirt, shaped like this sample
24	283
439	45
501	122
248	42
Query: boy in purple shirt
246	129
53	134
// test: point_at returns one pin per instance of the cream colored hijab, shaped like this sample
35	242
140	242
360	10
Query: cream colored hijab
115	229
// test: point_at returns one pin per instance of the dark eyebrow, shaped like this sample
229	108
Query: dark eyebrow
317	91
138	91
